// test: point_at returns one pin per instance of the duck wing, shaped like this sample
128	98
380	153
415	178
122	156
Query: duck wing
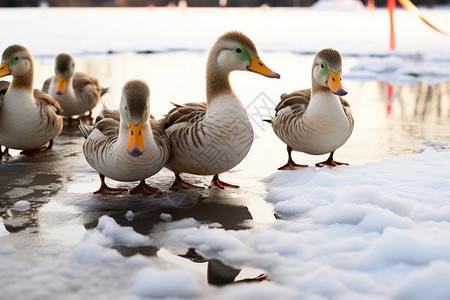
44	100
297	101
108	123
4	85
188	112
347	111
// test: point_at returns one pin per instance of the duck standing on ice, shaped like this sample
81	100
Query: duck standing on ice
318	120
76	92
29	119
127	144
213	137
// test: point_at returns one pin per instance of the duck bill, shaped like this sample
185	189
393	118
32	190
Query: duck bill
259	67
60	85
4	69
136	143
335	84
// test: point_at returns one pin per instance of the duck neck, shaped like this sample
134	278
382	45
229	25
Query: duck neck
316	87
217	81
24	81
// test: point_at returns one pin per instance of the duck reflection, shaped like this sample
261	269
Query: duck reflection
209	206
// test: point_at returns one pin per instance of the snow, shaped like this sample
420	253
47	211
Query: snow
129	215
3	230
379	230
353	232
330	5
166	217
161	283
22	205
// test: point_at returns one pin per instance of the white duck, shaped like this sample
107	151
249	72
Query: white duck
213	137
76	92
318	120
29	119
127	144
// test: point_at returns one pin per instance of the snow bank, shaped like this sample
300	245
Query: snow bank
167	284
3	230
96	248
377	231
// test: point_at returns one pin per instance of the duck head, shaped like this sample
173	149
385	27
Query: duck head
16	61
135	111
235	51
64	71
327	71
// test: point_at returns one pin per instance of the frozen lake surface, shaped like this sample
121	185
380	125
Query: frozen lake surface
377	229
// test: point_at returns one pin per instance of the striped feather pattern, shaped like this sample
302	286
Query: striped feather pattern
81	95
105	149
315	130
28	121
209	142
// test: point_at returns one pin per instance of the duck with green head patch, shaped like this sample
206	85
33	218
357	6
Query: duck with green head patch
213	137
29	119
318	120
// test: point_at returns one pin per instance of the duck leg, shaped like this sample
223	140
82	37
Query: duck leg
179	183
143	188
291	165
104	189
330	162
216	182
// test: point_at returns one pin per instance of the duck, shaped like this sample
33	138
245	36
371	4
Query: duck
29	118
77	93
127	144
212	137
317	120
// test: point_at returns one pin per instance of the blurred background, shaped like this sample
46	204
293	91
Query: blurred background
190	3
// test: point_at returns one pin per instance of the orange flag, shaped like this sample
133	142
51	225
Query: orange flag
408	5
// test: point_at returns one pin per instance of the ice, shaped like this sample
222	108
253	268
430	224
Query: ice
22	205
129	215
166	217
373	231
353	232
119	235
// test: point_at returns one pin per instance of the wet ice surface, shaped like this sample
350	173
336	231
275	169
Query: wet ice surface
60	239
346	233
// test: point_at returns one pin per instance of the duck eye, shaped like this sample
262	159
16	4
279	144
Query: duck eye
126	108
238	50
16	58
321	65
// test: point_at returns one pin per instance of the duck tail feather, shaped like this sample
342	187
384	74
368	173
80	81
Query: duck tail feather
85	130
